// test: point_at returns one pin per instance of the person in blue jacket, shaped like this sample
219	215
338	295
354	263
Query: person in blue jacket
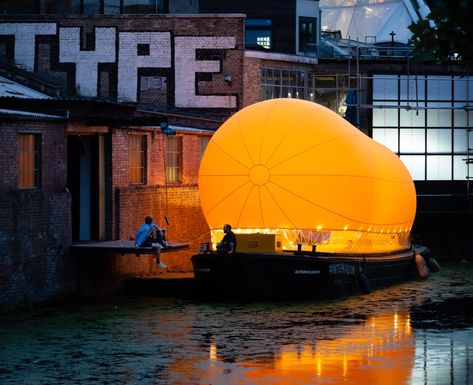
150	235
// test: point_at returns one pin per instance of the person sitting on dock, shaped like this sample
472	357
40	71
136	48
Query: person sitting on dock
150	235
228	244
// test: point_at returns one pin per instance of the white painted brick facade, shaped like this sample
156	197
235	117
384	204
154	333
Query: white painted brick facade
186	67
87	61
159	57
25	40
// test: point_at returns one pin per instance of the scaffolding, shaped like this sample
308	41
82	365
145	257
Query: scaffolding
359	55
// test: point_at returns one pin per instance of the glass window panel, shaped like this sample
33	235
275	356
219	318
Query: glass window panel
461	117
439	140
300	79
136	159
325	81
307	34
204	141
387	136
412	89
412	118
60	6
269	76
460	167
277	77
412	140
173	159
258	23
385	87
111	7
460	140
439	167
258	38
460	87
416	165
293	78
140	6
440	115
91	7
29	160
385	117
439	88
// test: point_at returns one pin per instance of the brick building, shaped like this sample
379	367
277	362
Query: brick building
128	106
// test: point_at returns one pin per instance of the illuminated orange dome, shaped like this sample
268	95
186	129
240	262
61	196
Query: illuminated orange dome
299	170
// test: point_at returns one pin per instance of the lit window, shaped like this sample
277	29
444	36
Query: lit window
433	129
264	41
173	159
137	159
258	33
29	161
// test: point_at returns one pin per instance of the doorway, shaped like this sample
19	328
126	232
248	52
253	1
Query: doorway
86	180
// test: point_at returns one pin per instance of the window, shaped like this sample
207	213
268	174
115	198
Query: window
19	7
143	6
60	7
111	7
204	141
307	35
258	33
173	159
425	123
137	159
91	7
29	161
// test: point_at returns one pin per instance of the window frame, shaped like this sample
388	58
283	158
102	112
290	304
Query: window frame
34	156
174	160
137	155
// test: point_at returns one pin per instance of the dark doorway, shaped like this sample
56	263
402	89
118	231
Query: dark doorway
85	179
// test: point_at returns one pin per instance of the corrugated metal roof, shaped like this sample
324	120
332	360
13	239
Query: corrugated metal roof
27	114
10	88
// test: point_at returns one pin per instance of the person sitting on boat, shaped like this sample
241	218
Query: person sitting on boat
228	244
150	235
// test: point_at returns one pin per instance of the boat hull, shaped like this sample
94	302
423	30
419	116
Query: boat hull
252	275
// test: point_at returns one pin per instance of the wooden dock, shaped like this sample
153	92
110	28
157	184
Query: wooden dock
121	247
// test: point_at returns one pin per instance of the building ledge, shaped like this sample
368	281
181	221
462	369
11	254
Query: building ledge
281	57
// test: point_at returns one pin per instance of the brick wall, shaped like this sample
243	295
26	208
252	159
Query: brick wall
106	56
251	81
34	224
54	160
179	201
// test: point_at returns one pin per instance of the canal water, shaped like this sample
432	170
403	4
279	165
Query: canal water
420	332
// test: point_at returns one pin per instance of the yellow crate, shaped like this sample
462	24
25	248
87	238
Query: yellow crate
260	243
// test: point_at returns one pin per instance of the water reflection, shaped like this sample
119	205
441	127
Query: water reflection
417	333
381	350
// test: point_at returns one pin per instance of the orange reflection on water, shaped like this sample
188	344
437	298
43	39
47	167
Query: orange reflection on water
379	351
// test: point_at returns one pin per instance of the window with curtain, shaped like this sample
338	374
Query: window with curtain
137	159
173	159
29	161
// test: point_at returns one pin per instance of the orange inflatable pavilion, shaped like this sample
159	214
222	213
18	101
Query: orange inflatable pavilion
298	170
